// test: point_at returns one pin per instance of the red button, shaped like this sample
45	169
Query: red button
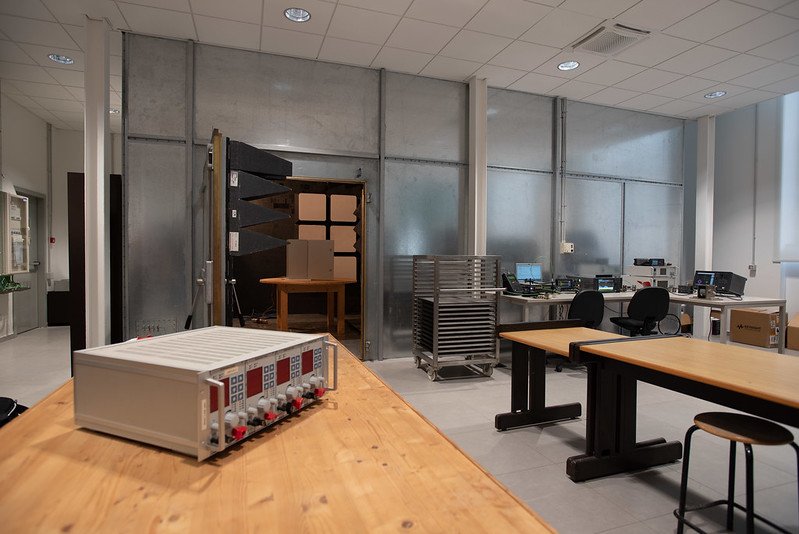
239	432
270	416
319	392
297	403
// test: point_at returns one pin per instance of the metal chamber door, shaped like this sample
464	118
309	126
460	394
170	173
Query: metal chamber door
27	303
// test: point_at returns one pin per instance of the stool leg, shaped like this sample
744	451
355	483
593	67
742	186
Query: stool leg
684	481
750	489
731	487
796	448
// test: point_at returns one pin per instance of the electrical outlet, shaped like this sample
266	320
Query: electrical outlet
752	270
155	327
566	248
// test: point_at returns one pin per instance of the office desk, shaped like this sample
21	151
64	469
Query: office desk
726	304
529	303
754	381
333	288
361	461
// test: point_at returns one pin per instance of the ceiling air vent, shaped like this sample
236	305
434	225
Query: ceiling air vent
608	39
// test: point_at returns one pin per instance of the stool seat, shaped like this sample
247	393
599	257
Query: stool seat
743	428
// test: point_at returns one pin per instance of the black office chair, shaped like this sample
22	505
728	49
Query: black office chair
589	307
647	308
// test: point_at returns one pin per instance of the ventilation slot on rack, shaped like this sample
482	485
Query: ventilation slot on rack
608	39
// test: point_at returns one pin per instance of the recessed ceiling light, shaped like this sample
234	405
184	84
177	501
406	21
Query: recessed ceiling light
715	94
297	14
64	60
568	65
113	111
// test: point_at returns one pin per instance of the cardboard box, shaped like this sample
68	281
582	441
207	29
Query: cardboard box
792	333
309	259
754	326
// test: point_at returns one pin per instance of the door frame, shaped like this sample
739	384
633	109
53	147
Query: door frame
41	251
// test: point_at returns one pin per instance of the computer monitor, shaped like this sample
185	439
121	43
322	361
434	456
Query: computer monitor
704	278
529	271
605	284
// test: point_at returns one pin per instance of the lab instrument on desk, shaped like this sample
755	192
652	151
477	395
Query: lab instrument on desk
529	272
201	391
726	282
639	276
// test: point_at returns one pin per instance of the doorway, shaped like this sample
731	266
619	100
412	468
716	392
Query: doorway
30	306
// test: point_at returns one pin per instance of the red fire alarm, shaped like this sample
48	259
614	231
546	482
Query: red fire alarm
52	240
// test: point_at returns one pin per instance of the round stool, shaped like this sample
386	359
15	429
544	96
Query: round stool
737	428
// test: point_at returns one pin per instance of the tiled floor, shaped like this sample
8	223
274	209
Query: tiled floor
532	461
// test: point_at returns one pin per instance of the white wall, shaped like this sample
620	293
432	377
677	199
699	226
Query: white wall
24	147
67	157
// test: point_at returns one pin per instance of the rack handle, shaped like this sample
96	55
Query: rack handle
329	344
220	412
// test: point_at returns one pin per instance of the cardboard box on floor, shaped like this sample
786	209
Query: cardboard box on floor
792	333
754	326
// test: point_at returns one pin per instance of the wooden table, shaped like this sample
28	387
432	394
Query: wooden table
333	288
361	461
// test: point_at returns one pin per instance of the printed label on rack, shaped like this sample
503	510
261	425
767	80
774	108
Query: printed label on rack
234	178
204	414
233	241
231	371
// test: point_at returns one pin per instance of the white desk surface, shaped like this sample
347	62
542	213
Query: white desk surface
723	302
564	298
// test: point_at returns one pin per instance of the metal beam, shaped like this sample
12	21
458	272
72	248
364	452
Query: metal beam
477	218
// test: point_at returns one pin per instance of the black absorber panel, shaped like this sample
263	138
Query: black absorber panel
248	214
248	242
251	187
243	157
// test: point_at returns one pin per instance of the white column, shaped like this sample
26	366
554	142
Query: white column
705	183
97	165
477	218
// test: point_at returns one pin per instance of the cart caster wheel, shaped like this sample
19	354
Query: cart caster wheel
488	370
559	369
418	361
432	374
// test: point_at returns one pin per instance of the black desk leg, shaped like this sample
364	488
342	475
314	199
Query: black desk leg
610	438
528	392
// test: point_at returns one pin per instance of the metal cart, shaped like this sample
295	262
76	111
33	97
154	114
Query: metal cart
455	312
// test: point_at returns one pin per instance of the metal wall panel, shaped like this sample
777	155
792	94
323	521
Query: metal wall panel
519	217
158	254
156	86
615	142
689	201
426	118
422	216
268	100
653	223
593	224
519	130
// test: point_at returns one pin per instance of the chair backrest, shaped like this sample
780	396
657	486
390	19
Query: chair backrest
649	304
588	306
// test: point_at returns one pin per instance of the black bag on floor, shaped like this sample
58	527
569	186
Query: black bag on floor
9	409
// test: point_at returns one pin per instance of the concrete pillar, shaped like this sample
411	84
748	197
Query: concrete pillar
97	165
705	182
477	217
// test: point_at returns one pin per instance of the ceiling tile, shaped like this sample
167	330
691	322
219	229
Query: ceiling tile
77	92
793	60
32	9
398	60
475	46
72	12
606	9
452	12
36	32
610	72
657	14
654	50
791	10
8	88
321	13
749	98
576	89
645	102
771	74
499	76
27	73
536	83
714	20
709	110
449	68
771	5
696	59
10	51
757	33
682	87
66	77
779	50
174	5
78	34
368	26
648	80
45	115
43	89
561	28
420	36
734	67
395	7
23	100
675	107
587	61
508	18
240	10
227	32
523	56
289	43
349	52
40	53
610	96
158	21
69	116
553	3
57	104
790	85
731	90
